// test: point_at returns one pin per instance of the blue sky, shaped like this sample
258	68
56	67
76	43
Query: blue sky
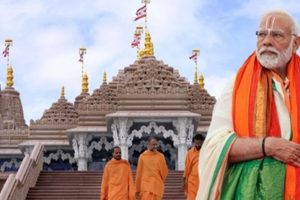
48	34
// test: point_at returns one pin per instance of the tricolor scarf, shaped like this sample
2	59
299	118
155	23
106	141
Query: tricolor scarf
254	111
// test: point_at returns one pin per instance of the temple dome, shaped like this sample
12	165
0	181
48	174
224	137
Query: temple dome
61	114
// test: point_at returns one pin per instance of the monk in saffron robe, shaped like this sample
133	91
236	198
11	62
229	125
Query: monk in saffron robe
190	175
252	148
117	182
151	173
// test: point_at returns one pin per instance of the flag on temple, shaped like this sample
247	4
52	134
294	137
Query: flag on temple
141	12
81	57
6	51
136	40
194	57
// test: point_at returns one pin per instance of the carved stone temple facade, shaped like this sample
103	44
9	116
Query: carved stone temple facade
146	98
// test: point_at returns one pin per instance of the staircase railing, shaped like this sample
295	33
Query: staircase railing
16	186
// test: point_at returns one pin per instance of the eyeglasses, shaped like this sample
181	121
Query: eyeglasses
276	35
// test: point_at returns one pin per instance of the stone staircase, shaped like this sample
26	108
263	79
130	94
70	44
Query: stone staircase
65	185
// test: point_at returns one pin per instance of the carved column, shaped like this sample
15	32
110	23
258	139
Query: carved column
28	150
120	129
81	154
185	129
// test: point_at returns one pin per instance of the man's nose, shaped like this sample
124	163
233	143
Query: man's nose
268	40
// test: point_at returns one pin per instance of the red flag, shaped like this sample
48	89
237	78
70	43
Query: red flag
6	51
194	57
140	13
136	40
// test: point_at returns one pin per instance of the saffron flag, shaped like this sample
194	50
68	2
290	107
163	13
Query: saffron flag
140	13
194	57
6	51
136	40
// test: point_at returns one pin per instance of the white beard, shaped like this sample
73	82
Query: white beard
276	60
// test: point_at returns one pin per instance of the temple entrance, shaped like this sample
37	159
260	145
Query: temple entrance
139	143
100	149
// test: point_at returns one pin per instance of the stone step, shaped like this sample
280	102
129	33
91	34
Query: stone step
65	185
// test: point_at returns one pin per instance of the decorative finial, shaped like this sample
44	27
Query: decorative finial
104	78
10	77
82	52
148	50
62	94
201	81
85	83
194	57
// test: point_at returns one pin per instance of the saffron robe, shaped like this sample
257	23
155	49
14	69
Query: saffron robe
151	173
191	173
238	113
117	182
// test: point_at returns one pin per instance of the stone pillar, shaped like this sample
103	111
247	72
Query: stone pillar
185	130
28	150
81	154
120	129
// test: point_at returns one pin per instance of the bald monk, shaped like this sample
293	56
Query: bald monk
190	176
117	182
151	173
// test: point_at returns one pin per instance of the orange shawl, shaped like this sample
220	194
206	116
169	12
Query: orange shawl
254	111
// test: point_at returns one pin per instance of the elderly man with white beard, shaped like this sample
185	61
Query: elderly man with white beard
252	148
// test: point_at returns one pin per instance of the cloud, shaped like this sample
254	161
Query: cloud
48	34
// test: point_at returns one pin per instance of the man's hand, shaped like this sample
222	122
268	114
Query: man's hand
283	150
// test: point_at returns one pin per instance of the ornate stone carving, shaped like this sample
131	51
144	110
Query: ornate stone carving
98	145
200	100
59	154
185	129
80	146
11	110
120	129
9	164
152	77
103	99
61	112
148	130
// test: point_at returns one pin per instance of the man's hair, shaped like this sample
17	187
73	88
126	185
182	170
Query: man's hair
115	147
198	137
295	25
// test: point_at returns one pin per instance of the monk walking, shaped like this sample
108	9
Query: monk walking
151	173
190	176
117	182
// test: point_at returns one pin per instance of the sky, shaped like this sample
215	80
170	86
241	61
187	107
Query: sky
47	36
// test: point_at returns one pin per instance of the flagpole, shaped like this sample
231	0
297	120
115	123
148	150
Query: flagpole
195	53
82	51
8	43
146	2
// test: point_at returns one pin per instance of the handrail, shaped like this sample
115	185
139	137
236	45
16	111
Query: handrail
16	186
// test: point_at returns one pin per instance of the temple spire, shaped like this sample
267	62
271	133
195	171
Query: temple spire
148	49
85	84
62	93
10	77
104	78
201	81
